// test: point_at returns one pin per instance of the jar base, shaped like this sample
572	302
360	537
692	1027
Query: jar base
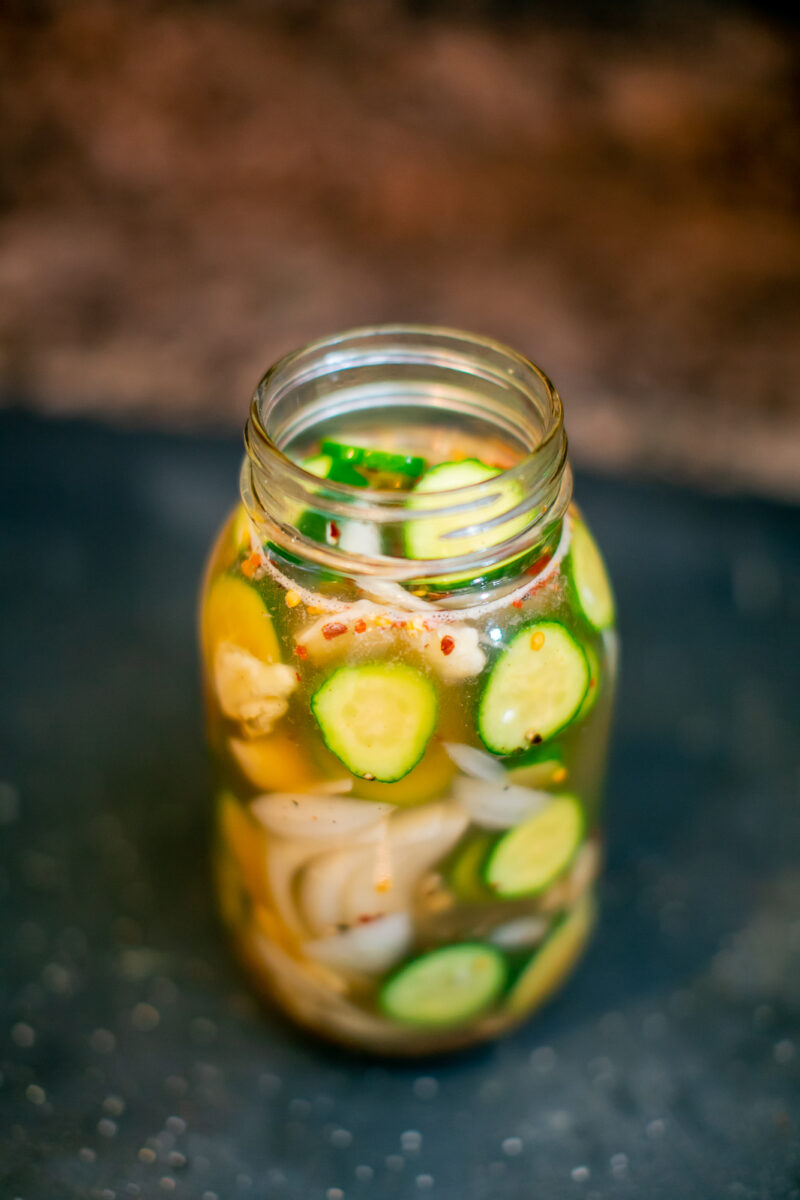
315	999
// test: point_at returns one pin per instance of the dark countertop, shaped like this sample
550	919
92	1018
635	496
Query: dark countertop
133	1061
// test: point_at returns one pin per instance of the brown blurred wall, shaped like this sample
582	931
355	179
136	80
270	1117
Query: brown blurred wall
189	190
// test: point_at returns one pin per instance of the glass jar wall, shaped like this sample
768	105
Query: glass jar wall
409	658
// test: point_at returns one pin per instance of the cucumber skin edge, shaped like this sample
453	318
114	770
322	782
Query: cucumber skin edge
513	754
358	774
500	961
549	883
575	592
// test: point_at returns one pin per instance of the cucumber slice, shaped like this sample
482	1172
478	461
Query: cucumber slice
593	689
428	780
326	466
465	874
590	579
553	961
535	688
374	460
233	611
311	523
533	855
377	719
445	987
427	537
541	767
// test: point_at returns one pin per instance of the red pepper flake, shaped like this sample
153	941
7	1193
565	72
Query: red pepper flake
360	625
447	645
592	682
251	564
302	652
298	677
516	603
334	530
539	565
365	918
333	629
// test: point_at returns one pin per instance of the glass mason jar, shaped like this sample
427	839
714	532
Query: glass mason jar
409	649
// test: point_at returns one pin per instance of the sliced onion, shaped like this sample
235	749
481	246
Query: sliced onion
611	647
495	807
525	931
416	840
370	948
336	787
359	537
428	824
323	884
319	817
476	763
315	979
585	871
386	591
368	880
315	993
284	860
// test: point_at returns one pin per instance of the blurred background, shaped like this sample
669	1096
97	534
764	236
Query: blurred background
190	189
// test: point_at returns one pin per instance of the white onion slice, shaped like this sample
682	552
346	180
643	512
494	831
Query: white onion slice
336	787
416	840
284	859
359	537
386	591
476	763
611	647
308	816
314	992
368	880
498	807
323	884
525	931
300	977
370	948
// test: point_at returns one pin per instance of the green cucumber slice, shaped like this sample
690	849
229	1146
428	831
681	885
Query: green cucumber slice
374	460
533	855
326	466
540	768
377	718
589	578
551	964
592	691
311	523
534	689
445	987
465	874
427	538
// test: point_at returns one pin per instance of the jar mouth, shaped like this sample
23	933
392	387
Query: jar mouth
373	370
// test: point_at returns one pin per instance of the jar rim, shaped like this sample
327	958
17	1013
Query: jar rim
279	485
441	333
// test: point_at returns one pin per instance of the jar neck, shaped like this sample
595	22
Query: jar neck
434	378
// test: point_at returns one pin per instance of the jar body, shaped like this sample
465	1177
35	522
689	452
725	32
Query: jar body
440	907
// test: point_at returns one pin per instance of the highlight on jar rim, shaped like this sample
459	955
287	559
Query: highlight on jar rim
409	650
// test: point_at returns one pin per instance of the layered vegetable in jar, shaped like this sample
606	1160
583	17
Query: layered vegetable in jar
409	650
